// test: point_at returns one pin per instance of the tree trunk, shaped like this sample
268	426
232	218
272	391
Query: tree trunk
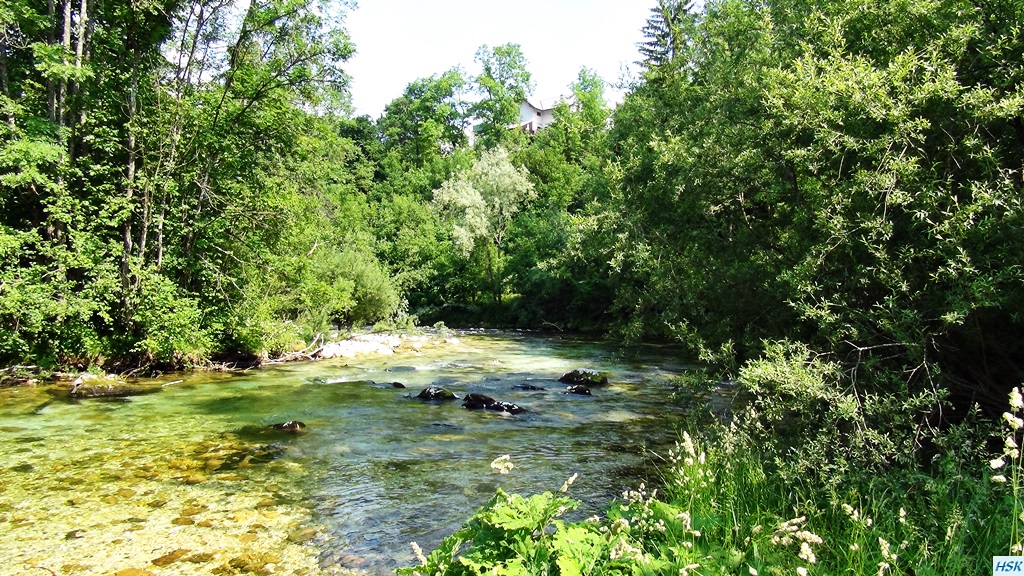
51	90
127	282
76	109
4	88
62	86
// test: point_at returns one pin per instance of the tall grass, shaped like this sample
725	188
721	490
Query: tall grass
728	502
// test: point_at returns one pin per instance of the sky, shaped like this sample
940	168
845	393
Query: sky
399	41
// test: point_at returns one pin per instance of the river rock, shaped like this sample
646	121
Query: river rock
580	389
584	376
397	385
302	535
291	427
503	406
109	386
528	387
436	393
171	558
482	402
477	401
254	561
133	572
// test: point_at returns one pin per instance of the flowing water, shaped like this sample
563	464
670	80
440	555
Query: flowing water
191	479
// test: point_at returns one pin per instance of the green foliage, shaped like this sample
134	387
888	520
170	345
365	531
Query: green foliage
428	120
481	204
503	84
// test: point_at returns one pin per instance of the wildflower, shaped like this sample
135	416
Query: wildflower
419	553
807	554
801	571
568	482
685	570
886	552
903	515
999	479
1013	421
502	464
620	525
854	547
852	512
751	570
996	463
883	568
808	537
1016	400
595	519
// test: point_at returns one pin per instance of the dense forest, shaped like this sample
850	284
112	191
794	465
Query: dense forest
821	200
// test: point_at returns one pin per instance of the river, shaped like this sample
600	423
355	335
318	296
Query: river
191	479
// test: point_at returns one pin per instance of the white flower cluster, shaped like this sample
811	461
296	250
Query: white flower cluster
790	532
502	464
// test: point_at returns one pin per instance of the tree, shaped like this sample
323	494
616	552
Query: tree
481	203
503	84
665	33
428	120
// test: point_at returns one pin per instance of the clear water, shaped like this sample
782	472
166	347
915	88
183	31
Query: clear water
96	486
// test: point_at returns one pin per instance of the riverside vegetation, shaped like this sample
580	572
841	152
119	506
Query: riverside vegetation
822	200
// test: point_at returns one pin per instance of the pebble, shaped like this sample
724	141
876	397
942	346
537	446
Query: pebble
171	558
74	534
134	572
248	538
192	511
125	493
266	502
200	557
183	521
195	479
302	535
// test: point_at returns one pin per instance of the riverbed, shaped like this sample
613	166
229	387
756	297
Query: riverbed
191	479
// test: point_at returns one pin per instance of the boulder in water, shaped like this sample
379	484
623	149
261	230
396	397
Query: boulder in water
291	427
109	386
436	393
581	389
529	387
482	402
503	406
584	376
477	401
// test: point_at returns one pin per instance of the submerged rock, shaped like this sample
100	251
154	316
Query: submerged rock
529	387
580	389
397	385
251	456
171	558
436	393
584	376
291	427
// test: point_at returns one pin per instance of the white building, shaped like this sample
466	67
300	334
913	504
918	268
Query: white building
533	117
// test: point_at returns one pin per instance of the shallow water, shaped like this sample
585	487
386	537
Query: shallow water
94	487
